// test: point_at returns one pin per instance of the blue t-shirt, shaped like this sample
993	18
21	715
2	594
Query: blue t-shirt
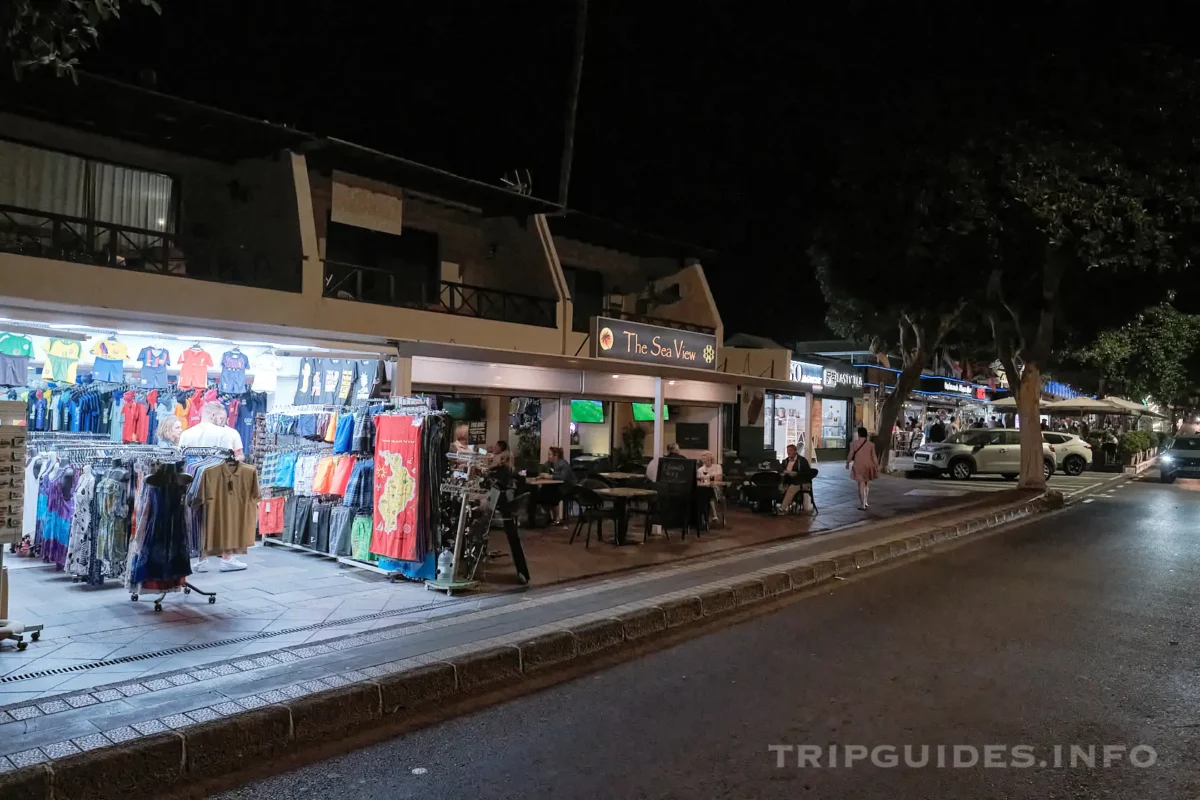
233	372
154	363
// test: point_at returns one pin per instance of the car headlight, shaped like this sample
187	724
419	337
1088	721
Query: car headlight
1167	458
939	456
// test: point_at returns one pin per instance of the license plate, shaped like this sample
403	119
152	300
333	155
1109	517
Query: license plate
922	457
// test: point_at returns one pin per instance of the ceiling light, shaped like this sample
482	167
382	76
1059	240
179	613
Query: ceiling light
616	376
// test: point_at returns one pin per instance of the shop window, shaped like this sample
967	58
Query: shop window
61	184
587	294
377	267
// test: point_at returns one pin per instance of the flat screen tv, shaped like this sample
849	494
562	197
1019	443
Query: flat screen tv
463	409
587	411
644	412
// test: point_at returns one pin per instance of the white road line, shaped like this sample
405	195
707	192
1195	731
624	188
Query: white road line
1089	500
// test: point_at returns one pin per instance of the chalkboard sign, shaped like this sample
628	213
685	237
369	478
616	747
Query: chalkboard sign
677	493
677	475
477	433
692	435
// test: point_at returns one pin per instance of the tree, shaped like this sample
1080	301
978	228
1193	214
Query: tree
1146	357
895	257
52	33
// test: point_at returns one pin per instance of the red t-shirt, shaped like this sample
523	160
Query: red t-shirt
193	368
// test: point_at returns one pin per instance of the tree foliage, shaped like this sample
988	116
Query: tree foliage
50	34
894	257
1148	356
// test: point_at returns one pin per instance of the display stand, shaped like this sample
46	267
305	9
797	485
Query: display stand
475	513
12	492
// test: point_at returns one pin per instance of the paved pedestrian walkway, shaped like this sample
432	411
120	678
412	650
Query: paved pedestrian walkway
96	635
228	659
64	719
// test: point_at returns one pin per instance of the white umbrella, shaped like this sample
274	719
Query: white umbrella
1084	405
1008	402
1132	408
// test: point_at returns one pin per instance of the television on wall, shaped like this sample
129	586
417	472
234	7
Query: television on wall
587	411
467	409
644	412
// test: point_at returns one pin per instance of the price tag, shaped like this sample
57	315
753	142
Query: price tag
316	516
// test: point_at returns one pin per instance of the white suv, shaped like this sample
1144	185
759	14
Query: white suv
984	451
1071	454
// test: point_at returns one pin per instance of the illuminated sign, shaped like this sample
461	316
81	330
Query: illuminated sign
652	344
832	377
957	388
803	372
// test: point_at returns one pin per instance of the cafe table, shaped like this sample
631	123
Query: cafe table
621	495
531	508
617	477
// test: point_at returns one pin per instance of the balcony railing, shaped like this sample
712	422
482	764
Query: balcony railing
659	321
104	244
385	287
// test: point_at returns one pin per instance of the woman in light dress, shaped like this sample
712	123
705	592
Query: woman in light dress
863	464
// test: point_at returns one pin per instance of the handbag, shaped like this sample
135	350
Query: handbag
852	455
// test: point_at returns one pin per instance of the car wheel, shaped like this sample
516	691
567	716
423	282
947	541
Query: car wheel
1047	469
1166	478
1074	465
1009	476
961	469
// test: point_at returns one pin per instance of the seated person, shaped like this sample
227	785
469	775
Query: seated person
795	472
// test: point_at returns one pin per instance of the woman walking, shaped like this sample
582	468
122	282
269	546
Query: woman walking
863	465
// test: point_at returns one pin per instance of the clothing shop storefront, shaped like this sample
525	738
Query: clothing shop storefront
159	454
966	402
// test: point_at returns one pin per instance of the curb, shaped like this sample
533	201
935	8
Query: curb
175	761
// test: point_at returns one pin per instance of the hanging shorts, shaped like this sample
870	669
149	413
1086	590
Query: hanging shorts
285	471
270	516
341	475
360	539
323	477
341	525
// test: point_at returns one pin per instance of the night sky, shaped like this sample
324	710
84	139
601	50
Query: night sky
718	123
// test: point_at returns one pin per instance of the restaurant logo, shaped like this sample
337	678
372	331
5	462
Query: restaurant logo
652	344
803	372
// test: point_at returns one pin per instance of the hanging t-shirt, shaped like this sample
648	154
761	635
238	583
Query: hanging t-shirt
62	360
266	372
233	372
154	361
13	345
15	352
366	381
337	380
110	361
308	381
193	368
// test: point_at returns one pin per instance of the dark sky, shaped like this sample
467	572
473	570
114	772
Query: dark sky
717	123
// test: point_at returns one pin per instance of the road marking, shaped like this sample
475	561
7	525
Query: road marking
1089	500
935	493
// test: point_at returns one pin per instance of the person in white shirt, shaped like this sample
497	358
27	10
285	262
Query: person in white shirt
212	431
709	469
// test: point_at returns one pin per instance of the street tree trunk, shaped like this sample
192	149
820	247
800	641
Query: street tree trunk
1029	398
906	381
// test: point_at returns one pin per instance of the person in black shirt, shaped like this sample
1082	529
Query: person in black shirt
795	472
937	433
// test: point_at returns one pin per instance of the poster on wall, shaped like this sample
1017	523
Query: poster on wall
752	402
397	477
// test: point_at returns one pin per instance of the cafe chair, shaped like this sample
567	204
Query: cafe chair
592	511
806	490
763	491
548	498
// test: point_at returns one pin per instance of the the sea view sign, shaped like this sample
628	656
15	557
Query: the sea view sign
652	344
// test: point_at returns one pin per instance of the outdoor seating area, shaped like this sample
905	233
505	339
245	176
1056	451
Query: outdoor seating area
585	544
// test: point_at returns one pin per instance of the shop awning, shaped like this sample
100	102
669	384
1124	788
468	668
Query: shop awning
486	355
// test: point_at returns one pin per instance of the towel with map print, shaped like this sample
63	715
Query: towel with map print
397	477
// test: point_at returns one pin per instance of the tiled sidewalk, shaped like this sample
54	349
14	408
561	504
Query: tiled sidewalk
65	720
95	636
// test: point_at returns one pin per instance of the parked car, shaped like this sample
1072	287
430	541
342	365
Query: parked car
1072	454
979	451
1181	460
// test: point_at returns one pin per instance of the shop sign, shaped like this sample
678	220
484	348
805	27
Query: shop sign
957	388
834	377
652	344
803	372
829	377
981	393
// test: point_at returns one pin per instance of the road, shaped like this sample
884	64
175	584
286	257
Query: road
940	486
1079	628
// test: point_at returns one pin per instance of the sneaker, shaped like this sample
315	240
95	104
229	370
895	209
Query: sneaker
201	566
232	565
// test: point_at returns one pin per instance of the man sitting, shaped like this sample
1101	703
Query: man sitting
795	472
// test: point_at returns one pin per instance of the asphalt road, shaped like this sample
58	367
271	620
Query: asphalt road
1078	629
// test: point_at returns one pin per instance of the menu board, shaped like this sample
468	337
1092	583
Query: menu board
12	469
477	432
